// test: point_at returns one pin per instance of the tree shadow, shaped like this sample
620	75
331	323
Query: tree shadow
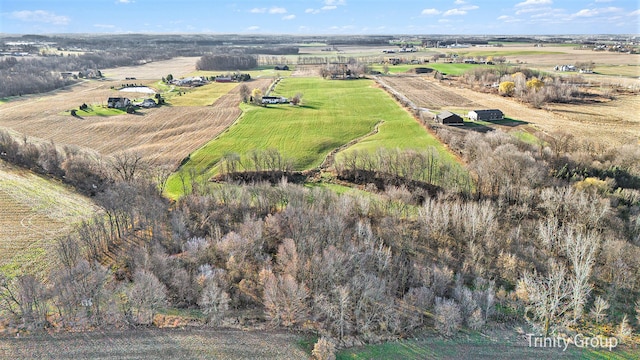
509	122
473	126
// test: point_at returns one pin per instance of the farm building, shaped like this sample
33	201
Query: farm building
274	100
281	67
148	103
486	115
448	118
190	81
118	102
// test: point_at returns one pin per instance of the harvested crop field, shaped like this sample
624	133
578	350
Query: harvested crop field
155	344
35	212
609	123
165	135
425	93
155	70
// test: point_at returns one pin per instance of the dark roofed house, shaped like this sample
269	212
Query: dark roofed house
448	118
281	67
118	102
486	115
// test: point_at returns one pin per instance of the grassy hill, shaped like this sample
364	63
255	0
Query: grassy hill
333	113
35	212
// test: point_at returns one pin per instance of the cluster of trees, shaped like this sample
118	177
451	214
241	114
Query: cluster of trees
257	161
528	85
38	75
227	62
351	69
394	164
355	268
28	77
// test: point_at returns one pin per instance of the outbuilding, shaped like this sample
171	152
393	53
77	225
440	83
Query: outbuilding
486	115
449	118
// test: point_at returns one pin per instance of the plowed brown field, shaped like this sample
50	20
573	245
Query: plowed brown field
425	93
614	122
165	135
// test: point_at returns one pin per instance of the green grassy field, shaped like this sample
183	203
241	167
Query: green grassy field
331	116
96	110
34	212
620	70
445	68
526	137
333	113
475	346
199	96
455	69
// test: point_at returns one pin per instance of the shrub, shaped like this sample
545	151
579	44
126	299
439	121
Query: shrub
323	350
448	317
507	88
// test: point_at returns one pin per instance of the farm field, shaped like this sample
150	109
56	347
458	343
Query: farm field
425	93
445	68
200	96
155	344
164	135
35	211
154	70
261	72
611	123
333	113
475	346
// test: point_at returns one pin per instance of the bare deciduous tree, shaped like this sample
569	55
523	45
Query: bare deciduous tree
546	297
145	296
284	299
447	317
599	309
128	165
214	302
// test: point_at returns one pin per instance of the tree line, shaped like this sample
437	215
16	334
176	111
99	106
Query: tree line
227	62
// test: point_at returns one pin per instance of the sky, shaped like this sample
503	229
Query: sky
494	17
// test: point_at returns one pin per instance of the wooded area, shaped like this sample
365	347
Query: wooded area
352	267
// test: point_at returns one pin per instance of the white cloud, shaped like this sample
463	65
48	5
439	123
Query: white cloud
596	12
289	17
104	26
532	10
40	16
534	3
277	10
258	10
334	2
312	11
459	2
253	28
453	12
603	1
470	7
507	18
635	13
329	7
431	12
124	2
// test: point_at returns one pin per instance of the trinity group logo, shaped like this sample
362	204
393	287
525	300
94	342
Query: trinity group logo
579	340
